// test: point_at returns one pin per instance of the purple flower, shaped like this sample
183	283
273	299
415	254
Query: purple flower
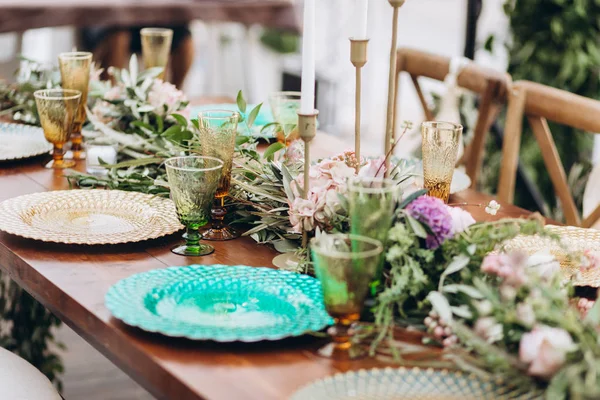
433	213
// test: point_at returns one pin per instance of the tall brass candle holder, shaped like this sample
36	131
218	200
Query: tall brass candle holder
391	113
307	129
358	57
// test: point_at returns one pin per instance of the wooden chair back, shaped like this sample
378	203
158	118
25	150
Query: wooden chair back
540	104
492	87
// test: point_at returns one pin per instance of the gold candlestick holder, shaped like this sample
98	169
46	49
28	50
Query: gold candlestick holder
391	112
358	57
307	130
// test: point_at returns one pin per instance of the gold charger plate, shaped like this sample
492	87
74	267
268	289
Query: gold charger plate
89	217
572	239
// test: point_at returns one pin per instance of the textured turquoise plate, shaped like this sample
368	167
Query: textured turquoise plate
221	303
264	117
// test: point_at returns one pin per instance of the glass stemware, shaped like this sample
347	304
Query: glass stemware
156	47
345	265
57	109
218	129
193	181
440	151
75	74
372	205
285	106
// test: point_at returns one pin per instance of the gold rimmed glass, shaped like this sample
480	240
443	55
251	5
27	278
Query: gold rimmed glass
345	265
285	107
75	74
57	109
440	151
156	47
218	129
193	181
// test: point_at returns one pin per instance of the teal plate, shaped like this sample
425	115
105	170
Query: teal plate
410	384
264	117
220	302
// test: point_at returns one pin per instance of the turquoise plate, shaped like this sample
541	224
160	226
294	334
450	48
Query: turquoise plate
411	384
221	303
264	117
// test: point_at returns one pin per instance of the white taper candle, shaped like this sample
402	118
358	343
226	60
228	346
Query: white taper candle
361	18
307	104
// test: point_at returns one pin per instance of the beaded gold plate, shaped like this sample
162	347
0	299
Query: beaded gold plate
19	141
572	239
89	216
409	384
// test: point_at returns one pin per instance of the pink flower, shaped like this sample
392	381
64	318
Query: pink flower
163	94
461	219
489	329
295	152
115	93
510	267
545	350
373	168
590	260
525	314
302	214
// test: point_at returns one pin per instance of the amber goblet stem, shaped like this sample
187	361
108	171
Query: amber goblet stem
76	142
218	212
58	153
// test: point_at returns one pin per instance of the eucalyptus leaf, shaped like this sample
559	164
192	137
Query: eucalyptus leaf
253	114
458	263
441	306
241	102
145	108
285	246
417	227
269	153
410	198
466	289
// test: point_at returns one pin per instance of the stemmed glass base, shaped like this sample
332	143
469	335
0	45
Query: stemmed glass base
341	348
77	152
58	159
192	246
219	231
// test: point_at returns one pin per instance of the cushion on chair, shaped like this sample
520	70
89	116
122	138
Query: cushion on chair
20	380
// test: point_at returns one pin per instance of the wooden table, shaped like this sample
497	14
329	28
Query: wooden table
71	281
30	14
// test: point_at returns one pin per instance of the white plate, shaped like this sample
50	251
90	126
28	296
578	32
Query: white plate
18	141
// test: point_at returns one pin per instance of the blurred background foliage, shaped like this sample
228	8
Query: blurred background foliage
556	43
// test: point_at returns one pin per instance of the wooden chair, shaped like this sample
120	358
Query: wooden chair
490	85
540	104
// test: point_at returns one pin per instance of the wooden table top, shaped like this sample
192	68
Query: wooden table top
72	281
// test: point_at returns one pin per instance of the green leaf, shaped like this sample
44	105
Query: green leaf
462	311
269	153
253	115
411	198
137	162
240	140
440	305
241	102
458	263
180	119
159	123
268	126
172	130
145	108
285	246
416	226
196	123
593	315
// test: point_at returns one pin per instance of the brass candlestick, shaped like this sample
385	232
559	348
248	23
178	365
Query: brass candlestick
391	113
358	57
307	129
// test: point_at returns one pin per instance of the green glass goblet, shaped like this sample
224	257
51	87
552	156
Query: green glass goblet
218	129
345	265
372	205
285	107
193	181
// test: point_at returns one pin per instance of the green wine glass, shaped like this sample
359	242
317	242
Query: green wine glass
193	181
345	265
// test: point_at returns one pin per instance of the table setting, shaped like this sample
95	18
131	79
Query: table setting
372	247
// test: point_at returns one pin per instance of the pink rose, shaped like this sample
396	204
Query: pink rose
545	350
373	168
163	94
461	219
114	93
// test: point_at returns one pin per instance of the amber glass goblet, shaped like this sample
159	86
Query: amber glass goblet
440	151
75	75
156	47
285	107
218	129
57	109
193	181
345	265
